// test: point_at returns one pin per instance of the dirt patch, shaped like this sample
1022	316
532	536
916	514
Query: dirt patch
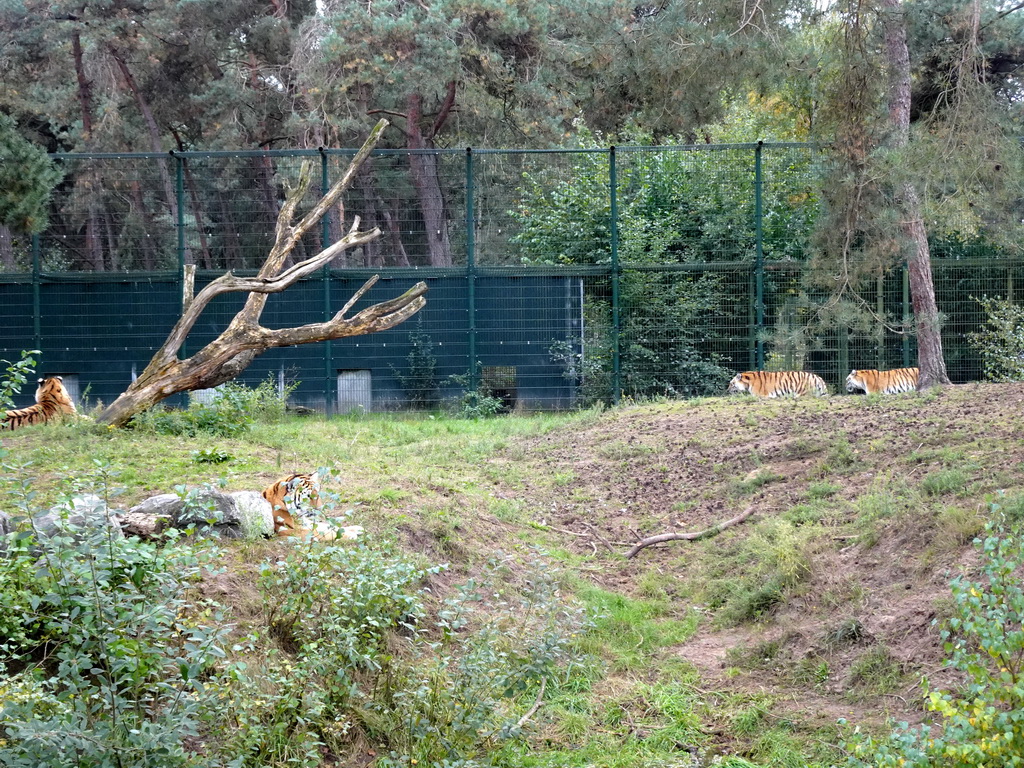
678	467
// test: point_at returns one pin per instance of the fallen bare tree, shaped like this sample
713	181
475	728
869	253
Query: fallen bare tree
244	339
695	536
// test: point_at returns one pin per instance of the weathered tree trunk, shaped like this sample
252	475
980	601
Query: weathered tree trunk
423	168
919	268
244	339
6	249
154	136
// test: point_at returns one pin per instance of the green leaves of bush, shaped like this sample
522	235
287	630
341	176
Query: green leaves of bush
103	659
982	725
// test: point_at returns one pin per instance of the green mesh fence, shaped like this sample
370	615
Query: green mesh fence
557	278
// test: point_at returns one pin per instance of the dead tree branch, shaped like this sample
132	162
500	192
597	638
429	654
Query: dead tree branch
244	339
695	536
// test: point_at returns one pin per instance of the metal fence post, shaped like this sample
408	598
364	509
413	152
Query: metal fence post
759	256
474	373
906	317
330	387
37	309
880	310
616	269
179	195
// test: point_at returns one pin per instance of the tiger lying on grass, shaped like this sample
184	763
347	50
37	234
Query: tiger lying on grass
52	401
296	497
892	382
778	383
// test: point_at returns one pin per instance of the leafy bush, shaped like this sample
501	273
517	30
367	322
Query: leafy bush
103	660
15	376
982	725
234	409
1001	341
564	218
420	383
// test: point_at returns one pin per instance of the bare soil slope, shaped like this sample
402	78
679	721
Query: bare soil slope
893	491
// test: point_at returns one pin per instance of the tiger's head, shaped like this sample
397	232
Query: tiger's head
742	382
51	389
860	381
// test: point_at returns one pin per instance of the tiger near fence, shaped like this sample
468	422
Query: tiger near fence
870	381
778	383
52	402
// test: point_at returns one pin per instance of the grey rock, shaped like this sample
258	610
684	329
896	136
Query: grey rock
256	515
205	510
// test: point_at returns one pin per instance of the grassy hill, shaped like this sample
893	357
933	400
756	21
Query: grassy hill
749	646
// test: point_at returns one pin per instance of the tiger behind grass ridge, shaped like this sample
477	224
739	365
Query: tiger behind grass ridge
778	383
52	402
870	382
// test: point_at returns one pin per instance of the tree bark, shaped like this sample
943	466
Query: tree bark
154	137
423	168
931	363
244	339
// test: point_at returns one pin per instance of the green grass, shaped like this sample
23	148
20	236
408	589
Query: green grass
463	491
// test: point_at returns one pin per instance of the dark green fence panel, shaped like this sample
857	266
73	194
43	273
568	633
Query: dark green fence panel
557	278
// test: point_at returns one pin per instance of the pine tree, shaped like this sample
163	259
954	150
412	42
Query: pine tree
27	177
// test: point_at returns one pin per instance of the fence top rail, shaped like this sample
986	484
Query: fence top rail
511	270
346	152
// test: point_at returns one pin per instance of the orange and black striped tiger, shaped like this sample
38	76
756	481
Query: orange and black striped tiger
52	401
778	383
892	382
290	498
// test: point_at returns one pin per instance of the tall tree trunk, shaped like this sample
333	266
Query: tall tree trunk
919	267
146	244
400	257
6	249
91	180
232	249
367	184
423	167
205	259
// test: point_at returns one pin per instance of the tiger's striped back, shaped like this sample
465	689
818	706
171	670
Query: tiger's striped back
870	381
52	401
778	383
291	497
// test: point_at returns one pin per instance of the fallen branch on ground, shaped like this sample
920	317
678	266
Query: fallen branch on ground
696	536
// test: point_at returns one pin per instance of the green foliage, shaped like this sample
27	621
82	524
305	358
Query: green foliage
564	218
421	382
1001	341
943	481
15	376
27	177
211	456
457	698
983	724
776	560
474	403
233	410
103	658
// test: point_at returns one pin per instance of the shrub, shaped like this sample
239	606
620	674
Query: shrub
1001	341
421	382
983	724
103	659
15	376
234	409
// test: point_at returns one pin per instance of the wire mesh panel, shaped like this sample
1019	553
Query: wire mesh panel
556	278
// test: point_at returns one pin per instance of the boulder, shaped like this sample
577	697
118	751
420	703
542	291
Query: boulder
255	512
82	515
232	515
